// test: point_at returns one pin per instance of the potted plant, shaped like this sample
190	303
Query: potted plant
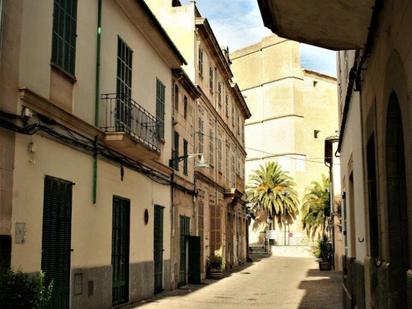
323	252
215	267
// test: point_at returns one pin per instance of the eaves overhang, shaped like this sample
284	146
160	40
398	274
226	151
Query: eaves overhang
143	18
203	26
332	24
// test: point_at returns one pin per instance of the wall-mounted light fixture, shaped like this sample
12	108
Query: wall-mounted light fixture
201	163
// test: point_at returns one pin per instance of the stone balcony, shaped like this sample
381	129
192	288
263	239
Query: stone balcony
129	127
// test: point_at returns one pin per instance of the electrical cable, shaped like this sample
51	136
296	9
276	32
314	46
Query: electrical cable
79	141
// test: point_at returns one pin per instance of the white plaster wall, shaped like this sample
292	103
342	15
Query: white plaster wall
91	224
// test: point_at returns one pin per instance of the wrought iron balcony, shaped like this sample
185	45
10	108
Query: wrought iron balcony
124	115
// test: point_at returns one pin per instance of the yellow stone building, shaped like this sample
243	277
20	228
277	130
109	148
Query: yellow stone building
293	111
85	142
220	115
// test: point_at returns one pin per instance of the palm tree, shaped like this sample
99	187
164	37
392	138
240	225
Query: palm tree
315	207
270	193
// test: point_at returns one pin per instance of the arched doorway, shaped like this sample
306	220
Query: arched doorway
397	206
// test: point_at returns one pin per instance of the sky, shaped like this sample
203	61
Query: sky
238	23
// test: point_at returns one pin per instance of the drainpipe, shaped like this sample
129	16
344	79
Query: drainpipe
97	94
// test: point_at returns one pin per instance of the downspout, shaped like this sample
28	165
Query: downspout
97	94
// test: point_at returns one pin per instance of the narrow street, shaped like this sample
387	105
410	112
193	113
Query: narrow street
274	282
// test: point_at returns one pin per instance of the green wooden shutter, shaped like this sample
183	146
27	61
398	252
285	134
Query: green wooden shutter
158	248
160	108
184	231
124	86
56	240
185	153
120	250
175	153
64	35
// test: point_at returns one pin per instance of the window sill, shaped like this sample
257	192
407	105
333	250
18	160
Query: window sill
63	73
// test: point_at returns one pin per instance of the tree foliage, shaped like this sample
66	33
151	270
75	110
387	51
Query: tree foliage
271	193
316	208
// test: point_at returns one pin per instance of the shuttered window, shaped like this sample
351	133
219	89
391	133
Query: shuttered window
227	165
185	107
160	108
200	61
176	97
185	153
201	136
184	231
175	152
64	35
211	147
219	155
124	86
219	95
211	79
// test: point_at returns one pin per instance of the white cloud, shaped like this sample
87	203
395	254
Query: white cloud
238	23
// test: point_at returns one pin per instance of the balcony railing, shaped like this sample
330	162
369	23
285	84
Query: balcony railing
124	115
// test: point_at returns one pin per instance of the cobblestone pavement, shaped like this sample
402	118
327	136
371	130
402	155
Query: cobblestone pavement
275	282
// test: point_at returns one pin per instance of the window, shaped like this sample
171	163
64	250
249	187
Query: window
64	35
123	84
175	152
185	107
176	97
185	153
219	155
219	95
227	106
227	165
233	172
211	147
238	123
160	108
233	115
211	79
201	136
238	164
200	63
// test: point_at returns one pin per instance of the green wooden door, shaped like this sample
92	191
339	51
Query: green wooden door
194	259
158	249
184	231
120	250
56	240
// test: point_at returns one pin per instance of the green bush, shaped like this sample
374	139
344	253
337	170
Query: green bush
20	290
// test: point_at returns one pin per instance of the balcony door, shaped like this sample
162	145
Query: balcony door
124	87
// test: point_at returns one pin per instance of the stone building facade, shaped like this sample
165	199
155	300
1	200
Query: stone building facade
220	115
293	111
375	83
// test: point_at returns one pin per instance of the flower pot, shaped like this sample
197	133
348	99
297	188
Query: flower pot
215	273
325	265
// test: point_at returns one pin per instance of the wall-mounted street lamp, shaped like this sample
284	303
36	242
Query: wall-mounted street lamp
201	163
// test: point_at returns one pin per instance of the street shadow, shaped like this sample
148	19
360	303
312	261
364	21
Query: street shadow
323	289
192	288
